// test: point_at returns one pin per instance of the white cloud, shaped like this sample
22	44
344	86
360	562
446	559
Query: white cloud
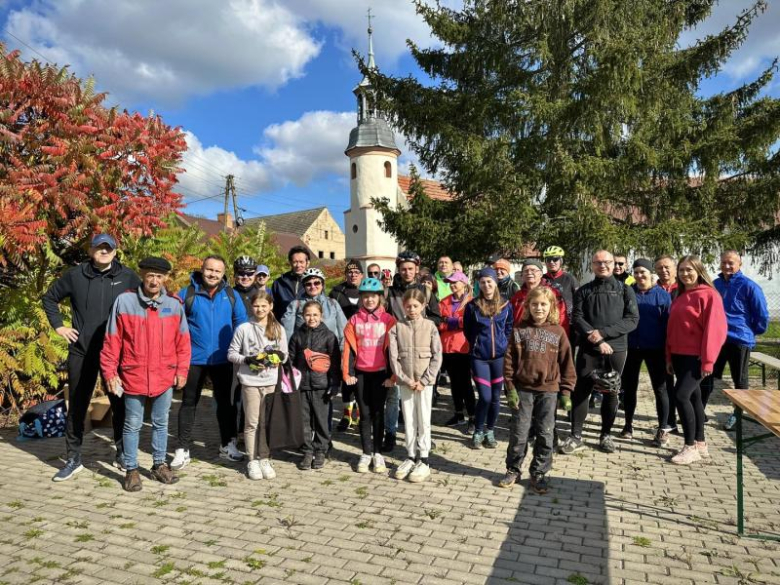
173	49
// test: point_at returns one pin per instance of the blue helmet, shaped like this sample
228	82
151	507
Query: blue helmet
371	285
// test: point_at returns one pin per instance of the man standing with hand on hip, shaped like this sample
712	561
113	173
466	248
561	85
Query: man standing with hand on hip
92	287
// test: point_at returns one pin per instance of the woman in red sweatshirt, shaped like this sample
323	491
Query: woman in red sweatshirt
696	331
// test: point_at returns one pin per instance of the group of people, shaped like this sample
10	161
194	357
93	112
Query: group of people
382	340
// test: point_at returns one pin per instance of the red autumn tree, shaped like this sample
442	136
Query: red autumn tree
69	167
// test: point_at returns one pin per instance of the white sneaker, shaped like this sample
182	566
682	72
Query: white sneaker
253	470
231	452
267	469
180	459
379	464
420	473
363	463
402	471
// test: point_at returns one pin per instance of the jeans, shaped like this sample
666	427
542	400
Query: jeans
585	365
738	359
687	369
221	376
655	360
83	373
458	366
536	416
134	420
392	408
371	396
489	378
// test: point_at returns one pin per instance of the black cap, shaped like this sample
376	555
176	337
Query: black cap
643	263
155	264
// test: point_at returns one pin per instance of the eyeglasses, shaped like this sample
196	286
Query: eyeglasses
553	259
374	274
312	283
604	262
245	274
354	273
620	263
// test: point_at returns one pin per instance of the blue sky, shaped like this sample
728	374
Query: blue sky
263	88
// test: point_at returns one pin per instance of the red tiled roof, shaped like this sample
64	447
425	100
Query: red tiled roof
212	228
434	189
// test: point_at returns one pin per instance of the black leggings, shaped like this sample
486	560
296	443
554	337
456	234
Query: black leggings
371	396
738	359
687	369
458	366
656	367
586	363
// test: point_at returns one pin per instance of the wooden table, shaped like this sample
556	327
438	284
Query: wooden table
761	407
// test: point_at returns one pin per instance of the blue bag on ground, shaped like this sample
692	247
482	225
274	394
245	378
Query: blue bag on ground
43	420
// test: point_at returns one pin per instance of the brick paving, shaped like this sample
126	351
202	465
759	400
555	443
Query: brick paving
626	518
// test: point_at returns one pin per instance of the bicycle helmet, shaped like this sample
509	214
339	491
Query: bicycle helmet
371	285
313	273
407	256
606	381
244	264
553	252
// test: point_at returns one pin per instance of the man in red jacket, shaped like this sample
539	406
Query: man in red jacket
146	354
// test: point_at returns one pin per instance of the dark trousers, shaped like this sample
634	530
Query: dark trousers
371	396
655	359
687	369
535	417
586	363
458	366
221	376
315	406
83	372
347	393
738	359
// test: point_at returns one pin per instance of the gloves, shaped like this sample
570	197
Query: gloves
252	361
452	323
512	399
564	402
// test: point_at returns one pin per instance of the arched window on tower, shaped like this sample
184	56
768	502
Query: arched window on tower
388	170
353	172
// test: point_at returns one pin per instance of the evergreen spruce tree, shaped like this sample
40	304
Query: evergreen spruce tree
580	123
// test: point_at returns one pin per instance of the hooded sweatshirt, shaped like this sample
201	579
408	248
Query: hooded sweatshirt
539	358
697	325
249	340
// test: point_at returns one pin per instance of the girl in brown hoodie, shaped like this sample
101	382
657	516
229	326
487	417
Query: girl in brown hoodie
537	366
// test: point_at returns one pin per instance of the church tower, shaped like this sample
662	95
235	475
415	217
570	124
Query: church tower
373	166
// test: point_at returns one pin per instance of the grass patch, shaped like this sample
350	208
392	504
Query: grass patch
181	509
343	478
364	524
211	542
163	570
216	564
433	514
86	537
160	549
327	482
82	525
271	502
127	525
254	564
577	579
642	541
362	492
33	533
16	505
214	480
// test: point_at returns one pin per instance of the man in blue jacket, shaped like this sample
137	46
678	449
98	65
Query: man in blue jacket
747	316
288	287
213	310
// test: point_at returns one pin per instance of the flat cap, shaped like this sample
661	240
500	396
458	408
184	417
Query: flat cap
155	264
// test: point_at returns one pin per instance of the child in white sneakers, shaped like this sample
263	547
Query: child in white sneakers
258	347
415	360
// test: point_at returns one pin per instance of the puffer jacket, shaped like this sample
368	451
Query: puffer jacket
415	352
745	306
147	343
285	290
249	340
213	319
332	316
320	339
488	337
453	339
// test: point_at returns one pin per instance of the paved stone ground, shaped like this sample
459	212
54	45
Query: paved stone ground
627	518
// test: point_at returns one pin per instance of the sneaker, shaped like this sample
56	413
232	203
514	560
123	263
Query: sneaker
181	458
119	461
379	464
540	484
476	440
704	452
571	445
267	469
661	438
72	467
675	431
253	470
731	423
626	434
456	420
403	470
305	463
490	439
132	481
420	473
687	455
471	426
389	443
319	460
231	452
607	445
511	477
344	424
162	473
363	463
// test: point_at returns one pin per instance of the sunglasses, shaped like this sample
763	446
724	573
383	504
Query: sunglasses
620	263
245	274
312	283
554	259
374	274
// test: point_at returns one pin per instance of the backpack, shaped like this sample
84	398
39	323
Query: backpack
43	420
189	299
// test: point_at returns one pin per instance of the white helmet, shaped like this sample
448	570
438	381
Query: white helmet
313	273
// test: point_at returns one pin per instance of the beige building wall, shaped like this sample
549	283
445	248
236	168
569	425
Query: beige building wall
325	238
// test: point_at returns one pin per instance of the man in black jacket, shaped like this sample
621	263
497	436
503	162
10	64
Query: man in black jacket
92	288
347	296
605	311
408	267
288	287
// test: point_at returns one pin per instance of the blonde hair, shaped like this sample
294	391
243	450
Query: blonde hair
273	331
541	291
702	276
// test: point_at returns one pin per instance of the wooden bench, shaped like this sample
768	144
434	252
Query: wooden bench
765	361
763	408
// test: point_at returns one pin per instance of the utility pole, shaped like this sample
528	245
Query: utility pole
228	188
